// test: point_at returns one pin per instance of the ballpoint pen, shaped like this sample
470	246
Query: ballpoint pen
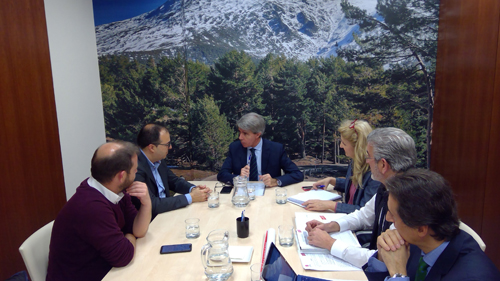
242	215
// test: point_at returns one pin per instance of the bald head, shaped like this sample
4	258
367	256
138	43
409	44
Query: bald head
150	134
112	158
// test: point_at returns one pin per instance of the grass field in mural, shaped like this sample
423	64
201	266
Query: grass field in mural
374	60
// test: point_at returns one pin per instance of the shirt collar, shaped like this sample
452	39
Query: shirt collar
110	195
431	257
151	164
258	146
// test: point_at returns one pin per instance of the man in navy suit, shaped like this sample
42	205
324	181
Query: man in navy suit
427	243
258	158
154	141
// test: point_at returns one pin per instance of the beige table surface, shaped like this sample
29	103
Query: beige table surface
168	228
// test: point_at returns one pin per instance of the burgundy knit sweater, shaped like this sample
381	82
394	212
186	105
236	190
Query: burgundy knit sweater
88	237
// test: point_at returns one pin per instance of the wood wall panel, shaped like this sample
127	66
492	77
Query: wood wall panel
491	221
32	184
463	129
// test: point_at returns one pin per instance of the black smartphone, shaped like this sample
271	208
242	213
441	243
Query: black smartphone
177	248
307	188
226	189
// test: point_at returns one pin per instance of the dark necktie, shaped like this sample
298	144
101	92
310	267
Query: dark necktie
421	270
254	173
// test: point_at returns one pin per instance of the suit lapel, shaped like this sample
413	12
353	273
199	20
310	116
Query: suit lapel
413	261
266	151
446	260
143	161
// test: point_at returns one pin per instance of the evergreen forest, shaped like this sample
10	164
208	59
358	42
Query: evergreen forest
386	79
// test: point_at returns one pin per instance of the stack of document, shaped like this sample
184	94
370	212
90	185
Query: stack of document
300	198
315	258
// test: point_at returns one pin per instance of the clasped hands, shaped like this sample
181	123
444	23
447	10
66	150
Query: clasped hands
318	233
200	193
394	251
267	179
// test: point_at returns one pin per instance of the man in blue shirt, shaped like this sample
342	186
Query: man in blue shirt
154	141
427	243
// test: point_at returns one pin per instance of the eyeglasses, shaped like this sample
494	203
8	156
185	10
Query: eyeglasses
166	144
352	126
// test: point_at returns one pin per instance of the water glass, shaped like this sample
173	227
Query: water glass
281	195
213	199
255	272
285	233
192	228
251	192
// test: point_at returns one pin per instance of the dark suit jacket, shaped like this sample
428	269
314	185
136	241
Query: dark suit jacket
361	196
461	260
170	182
274	159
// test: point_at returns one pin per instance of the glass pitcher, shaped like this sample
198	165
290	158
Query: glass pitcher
215	256
240	192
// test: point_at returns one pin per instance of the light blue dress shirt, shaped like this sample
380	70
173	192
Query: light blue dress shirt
159	182
374	265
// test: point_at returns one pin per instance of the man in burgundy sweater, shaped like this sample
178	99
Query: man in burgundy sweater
97	228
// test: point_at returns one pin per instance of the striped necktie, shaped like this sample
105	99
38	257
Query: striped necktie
422	270
254	173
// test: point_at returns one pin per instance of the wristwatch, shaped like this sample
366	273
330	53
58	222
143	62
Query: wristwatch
278	182
398	275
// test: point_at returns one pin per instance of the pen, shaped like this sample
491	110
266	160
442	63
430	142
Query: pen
249	158
321	186
242	215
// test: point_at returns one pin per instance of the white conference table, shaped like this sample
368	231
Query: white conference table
168	228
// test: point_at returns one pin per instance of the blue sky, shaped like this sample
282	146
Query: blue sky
106	11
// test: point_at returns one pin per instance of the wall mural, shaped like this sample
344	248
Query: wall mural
198	65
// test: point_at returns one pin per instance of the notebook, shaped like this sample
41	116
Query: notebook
277	268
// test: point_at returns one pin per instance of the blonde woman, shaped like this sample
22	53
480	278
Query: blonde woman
358	186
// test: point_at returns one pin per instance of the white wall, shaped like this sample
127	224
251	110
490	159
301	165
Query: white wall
73	54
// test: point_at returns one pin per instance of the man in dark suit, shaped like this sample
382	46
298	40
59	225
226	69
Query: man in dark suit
427	243
154	141
258	158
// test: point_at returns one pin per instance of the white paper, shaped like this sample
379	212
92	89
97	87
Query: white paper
258	186
315	258
240	253
319	194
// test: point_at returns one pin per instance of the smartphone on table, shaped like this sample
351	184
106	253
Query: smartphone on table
307	188
226	189
176	248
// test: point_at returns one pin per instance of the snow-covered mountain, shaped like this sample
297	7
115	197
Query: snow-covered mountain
209	28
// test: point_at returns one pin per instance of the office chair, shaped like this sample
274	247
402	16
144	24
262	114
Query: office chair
474	235
35	252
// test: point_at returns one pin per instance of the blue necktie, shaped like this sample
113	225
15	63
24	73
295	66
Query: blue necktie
254	173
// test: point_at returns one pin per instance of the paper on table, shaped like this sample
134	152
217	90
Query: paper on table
240	253
324	262
302	197
302	218
259	187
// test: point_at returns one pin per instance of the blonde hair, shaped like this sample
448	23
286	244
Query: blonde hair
356	133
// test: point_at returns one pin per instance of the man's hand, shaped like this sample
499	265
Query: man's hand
245	171
310	225
395	260
319	205
324	182
140	190
320	238
268	180
390	240
199	193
